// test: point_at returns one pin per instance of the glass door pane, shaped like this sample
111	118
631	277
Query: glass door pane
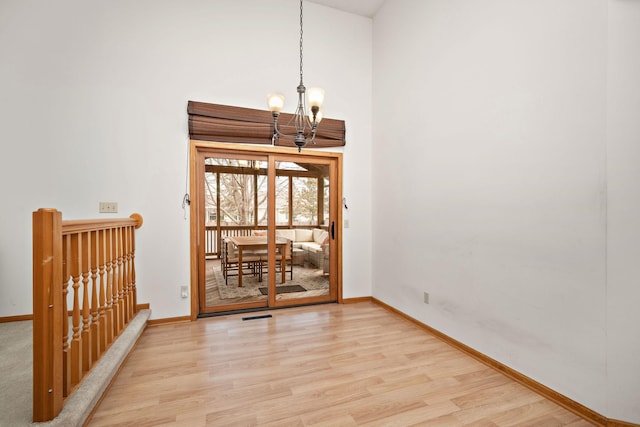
302	231
235	210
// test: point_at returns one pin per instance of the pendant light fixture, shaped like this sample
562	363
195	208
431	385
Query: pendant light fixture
305	125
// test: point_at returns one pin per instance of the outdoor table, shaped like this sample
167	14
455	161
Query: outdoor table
257	243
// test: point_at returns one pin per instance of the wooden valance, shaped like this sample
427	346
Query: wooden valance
224	123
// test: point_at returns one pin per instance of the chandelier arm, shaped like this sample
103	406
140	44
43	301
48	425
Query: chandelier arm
311	135
279	133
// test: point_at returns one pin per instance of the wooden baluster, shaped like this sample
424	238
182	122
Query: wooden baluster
76	350
108	253
121	307
131	232
134	291
86	310
95	344
47	314
114	287
125	275
102	329
66	276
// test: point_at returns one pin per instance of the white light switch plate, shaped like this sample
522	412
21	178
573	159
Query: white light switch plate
108	207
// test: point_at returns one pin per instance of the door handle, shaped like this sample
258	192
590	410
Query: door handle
333	230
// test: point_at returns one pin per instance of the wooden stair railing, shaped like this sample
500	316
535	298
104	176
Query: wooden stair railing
84	295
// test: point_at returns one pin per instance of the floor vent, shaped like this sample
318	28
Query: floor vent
257	317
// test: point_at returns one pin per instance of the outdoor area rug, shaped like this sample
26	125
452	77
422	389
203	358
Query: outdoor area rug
284	289
308	278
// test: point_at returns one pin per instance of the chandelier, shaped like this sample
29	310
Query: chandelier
305	125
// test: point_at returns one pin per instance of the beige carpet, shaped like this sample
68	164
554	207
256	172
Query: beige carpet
16	375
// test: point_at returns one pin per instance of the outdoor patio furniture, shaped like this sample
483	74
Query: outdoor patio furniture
288	253
230	262
308	245
256	256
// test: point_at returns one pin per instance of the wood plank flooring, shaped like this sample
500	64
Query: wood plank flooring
323	365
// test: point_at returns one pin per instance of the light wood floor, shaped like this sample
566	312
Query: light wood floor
323	365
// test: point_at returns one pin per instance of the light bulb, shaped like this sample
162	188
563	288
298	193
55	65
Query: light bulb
315	96
275	102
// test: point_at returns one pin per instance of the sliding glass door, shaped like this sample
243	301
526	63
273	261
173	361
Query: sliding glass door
264	228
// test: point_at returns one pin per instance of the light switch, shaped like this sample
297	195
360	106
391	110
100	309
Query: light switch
108	207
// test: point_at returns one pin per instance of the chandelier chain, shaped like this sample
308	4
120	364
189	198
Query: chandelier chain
301	34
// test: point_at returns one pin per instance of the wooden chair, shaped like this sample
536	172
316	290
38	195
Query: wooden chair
288	259
325	258
229	262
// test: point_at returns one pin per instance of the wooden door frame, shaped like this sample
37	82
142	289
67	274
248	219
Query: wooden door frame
196	150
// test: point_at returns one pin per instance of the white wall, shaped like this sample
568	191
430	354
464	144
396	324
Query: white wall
93	99
491	133
623	225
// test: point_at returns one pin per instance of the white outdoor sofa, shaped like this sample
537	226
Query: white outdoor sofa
309	246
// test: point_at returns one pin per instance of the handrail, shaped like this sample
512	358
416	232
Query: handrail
80	225
84	295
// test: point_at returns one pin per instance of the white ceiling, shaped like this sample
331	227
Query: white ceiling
366	8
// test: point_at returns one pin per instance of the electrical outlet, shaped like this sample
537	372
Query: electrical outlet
184	291
108	207
426	297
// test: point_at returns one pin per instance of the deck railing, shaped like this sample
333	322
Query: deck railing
213	235
84	295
